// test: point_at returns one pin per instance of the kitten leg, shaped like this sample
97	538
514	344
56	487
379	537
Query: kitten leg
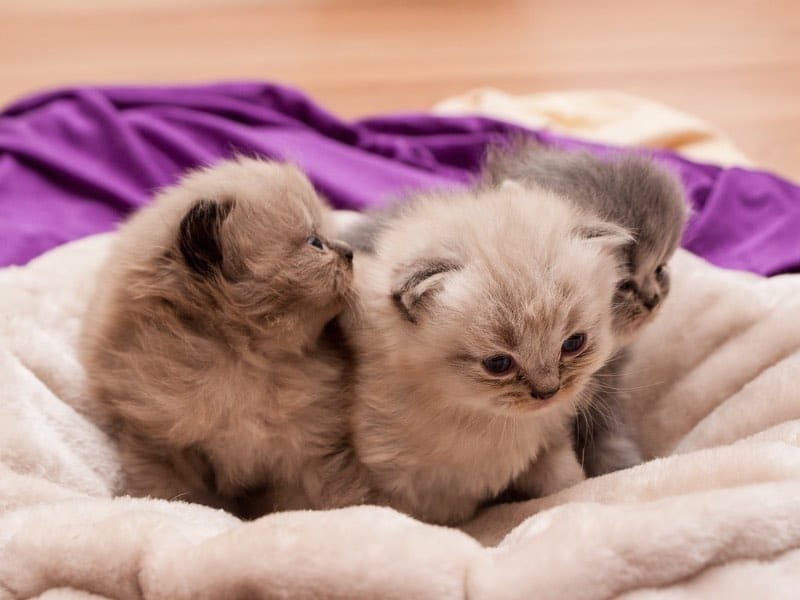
611	451
169	475
338	480
554	470
604	439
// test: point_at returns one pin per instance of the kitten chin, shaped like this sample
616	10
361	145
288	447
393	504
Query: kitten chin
485	314
208	344
630	190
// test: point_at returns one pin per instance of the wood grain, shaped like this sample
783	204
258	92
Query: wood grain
733	62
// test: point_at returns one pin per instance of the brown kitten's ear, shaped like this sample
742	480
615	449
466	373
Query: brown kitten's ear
199	235
416	284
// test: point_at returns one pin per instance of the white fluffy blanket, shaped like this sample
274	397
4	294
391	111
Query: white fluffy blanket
716	394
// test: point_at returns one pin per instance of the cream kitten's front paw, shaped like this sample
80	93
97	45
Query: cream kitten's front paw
555	470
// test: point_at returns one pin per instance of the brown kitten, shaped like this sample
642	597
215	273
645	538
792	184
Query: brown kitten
207	344
634	192
485	313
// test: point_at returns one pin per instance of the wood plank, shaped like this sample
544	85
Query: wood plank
733	62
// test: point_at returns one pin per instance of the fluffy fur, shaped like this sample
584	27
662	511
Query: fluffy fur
456	279
210	348
632	191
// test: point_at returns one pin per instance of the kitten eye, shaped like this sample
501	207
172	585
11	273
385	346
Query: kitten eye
498	365
573	343
626	285
315	242
661	271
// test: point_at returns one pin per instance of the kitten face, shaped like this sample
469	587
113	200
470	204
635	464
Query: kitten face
510	312
258	233
642	292
508	348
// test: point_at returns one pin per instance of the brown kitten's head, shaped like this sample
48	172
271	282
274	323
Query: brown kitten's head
500	300
254	238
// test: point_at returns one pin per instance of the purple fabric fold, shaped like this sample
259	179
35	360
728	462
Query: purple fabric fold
76	161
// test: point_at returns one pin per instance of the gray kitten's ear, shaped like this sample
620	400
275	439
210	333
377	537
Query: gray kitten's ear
199	235
416	284
606	235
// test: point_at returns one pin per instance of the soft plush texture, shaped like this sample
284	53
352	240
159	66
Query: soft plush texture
75	161
714	392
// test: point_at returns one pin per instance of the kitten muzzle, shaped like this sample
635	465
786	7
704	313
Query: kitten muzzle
344	250
544	394
650	302
648	294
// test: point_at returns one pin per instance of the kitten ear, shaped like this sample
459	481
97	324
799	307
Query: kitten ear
608	236
416	284
199	235
510	185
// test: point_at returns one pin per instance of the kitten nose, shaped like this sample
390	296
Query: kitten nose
544	394
650	302
344	250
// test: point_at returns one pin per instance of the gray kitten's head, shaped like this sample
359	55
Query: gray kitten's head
630	190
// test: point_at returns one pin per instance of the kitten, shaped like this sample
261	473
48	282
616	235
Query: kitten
631	191
210	348
485	313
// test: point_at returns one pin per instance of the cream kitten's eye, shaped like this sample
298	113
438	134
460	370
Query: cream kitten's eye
498	365
661	271
573	343
315	242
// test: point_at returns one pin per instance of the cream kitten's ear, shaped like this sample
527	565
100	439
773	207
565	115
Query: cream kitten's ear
199	236
416	283
509	185
608	235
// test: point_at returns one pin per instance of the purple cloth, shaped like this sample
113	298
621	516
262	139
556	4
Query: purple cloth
75	161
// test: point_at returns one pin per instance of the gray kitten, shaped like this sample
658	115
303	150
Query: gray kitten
632	191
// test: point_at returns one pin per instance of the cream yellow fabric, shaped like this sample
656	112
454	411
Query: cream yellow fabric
603	116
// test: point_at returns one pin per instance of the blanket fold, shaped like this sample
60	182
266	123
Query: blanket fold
704	514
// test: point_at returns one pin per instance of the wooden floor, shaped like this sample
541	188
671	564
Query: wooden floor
733	62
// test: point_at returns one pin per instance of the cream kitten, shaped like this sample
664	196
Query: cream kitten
209	346
484	316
